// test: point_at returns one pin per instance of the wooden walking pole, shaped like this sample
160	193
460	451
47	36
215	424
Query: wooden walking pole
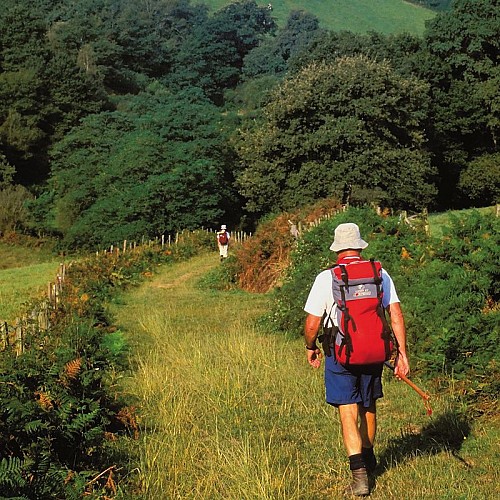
415	387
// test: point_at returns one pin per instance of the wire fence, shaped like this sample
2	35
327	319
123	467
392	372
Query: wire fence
35	319
38	317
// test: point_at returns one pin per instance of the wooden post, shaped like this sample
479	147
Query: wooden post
124	245
4	339
19	338
162	240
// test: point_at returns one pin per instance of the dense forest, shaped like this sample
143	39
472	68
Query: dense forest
120	118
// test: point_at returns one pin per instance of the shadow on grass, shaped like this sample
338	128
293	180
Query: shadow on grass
444	433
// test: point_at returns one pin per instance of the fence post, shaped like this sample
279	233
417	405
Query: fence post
19	337
4	339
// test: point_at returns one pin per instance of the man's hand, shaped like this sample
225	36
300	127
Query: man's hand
401	366
314	358
311	328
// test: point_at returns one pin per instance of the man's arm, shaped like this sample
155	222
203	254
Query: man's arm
311	329
401	365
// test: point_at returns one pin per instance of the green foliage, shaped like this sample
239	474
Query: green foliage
459	285
480	180
356	122
462	64
7	172
155	166
43	93
56	407
13	212
271	56
448	288
211	58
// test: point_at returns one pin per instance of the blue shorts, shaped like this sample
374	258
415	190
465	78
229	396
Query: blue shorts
360	384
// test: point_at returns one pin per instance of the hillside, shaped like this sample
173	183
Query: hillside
359	16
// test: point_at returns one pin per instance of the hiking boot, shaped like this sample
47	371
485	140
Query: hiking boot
359	486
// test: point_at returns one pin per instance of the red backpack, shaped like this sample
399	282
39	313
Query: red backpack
223	239
363	335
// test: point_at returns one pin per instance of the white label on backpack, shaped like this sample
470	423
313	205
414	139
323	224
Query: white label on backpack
362	292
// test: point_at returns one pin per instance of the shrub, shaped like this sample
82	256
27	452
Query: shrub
13	212
262	260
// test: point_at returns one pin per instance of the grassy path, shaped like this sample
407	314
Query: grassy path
229	412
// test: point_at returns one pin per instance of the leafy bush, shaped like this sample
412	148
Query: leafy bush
454	307
262	260
386	238
57	412
13	212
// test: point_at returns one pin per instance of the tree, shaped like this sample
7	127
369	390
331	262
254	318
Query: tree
42	94
355	121
7	172
156	165
479	183
212	56
463	48
271	56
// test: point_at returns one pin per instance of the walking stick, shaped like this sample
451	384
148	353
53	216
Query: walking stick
417	389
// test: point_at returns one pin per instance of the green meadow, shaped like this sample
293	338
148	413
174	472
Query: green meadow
358	16
24	272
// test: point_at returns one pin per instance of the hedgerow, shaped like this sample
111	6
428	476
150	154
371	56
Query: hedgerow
61	406
259	264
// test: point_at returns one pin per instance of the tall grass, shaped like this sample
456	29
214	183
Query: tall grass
359	16
227	411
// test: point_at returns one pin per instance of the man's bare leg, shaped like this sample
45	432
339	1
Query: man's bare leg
349	419
368	431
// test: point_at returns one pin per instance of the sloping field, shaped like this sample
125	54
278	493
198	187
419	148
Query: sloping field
359	16
24	272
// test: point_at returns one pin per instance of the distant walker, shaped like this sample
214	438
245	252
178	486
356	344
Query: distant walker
223	238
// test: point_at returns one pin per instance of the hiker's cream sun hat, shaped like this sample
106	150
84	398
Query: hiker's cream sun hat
347	236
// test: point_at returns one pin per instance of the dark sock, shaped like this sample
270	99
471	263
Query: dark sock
356	461
369	458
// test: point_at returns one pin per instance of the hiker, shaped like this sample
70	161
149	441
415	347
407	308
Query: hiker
223	238
351	387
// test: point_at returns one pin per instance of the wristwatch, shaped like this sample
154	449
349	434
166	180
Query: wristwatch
314	348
